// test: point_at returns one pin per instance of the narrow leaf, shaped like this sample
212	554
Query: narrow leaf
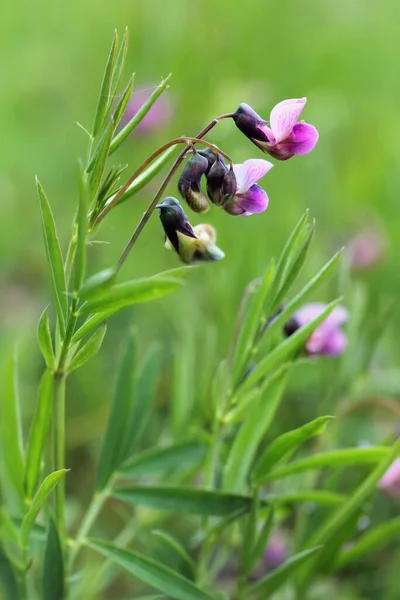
53	570
105	96
80	256
334	458
255	554
273	581
98	283
91	347
184	500
54	257
285	349
98	163
91	323
286	443
175	546
158	460
44	339
123	102
42	494
141	113
38	433
131	292
374	539
151	572
8	579
116	436
10	429
119	63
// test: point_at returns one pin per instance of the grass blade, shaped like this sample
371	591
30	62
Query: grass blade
105	96
53	569
44	339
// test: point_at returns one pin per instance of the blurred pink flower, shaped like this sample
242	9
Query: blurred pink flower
158	115
327	339
276	551
390	482
366	249
283	137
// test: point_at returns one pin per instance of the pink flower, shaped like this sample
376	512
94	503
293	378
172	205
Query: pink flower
158	115
366	249
327	339
249	198
276	551
390	482
284	136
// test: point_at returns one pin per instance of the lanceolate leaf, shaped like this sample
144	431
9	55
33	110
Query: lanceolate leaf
53	570
150	571
54	256
98	163
142	112
184	500
10	429
158	460
42	494
119	63
115	439
38	433
123	102
44	339
270	583
175	546
286	443
90	349
105	96
132	292
334	458
80	256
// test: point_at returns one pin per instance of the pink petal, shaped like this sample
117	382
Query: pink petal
390	481
304	138
284	116
309	312
335	343
249	172
255	200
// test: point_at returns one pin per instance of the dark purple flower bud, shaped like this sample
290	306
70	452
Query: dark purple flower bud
189	183
327	339
219	182
283	137
210	156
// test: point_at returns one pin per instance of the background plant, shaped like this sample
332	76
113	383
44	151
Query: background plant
187	358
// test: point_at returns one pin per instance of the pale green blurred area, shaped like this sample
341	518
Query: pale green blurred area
342	55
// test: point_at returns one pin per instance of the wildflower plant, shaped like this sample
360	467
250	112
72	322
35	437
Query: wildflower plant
228	470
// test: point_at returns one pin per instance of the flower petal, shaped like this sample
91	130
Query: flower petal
284	116
390	481
255	200
335	343
304	138
249	172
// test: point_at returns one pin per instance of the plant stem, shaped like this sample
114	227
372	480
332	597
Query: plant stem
149	160
91	515
59	451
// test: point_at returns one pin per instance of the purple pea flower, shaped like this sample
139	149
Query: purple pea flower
158	115
276	551
327	339
283	136
390	482
249	197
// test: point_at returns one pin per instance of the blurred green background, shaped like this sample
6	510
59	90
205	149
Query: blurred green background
342	55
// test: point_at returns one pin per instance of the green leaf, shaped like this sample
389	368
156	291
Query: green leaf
42	494
119	63
98	162
279	321
53	569
334	524
123	102
374	539
175	546
54	257
98	283
116	436
8	579
91	347
141	113
132	292
158	460
80	256
91	323
184	500
322	497
273	581
146	386
333	458
249	320
285	349
286	443
38	433
148	174
255	554
10	429
105	96
251	432
44	339
151	572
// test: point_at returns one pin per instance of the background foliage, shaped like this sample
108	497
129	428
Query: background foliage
341	56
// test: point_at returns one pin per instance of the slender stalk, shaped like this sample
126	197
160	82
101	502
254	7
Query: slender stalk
149	160
59	451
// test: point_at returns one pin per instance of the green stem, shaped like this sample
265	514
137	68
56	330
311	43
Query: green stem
59	451
91	515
